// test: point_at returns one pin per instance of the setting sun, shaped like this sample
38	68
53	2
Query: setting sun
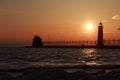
89	26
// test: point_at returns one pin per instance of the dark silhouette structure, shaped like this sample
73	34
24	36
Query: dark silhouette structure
37	41
100	35
100	43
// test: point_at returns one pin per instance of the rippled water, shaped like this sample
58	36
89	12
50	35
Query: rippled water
27	57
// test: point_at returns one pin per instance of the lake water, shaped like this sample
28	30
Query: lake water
16	58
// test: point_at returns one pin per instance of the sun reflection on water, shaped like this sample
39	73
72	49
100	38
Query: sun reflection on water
90	57
89	51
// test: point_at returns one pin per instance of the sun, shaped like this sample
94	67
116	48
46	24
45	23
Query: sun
89	26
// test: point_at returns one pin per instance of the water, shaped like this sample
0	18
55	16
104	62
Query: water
15	58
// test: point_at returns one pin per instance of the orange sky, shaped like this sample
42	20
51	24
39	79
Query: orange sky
20	20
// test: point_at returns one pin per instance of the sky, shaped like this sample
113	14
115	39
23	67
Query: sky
20	20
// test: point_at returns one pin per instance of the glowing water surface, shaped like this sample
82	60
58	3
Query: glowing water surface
28	57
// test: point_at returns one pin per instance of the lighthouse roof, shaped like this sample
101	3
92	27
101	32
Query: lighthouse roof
37	37
100	24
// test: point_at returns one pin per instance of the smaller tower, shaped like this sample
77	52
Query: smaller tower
37	42
100	35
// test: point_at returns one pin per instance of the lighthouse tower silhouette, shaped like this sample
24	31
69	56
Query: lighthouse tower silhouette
100	35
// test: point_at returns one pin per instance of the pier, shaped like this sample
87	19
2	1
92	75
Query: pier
82	44
99	43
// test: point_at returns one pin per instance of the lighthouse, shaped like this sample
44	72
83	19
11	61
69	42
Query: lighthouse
37	41
100	35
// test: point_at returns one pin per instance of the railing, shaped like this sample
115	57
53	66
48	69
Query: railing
81	43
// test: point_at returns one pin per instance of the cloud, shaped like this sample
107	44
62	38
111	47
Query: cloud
116	17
